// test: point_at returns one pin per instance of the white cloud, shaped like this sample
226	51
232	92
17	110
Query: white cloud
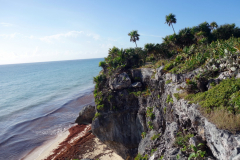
9	35
58	36
75	34
6	24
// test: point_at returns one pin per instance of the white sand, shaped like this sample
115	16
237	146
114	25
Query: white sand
100	148
46	149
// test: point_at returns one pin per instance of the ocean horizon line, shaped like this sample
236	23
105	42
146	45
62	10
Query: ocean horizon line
49	61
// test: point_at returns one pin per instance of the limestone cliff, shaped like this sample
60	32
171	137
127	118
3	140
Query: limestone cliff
140	115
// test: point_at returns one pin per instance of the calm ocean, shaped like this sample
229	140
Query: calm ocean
40	100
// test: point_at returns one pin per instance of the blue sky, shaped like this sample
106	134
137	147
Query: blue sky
52	30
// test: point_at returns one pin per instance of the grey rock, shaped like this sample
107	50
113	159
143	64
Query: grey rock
136	85
224	75
146	74
159	72
238	75
120	131
233	69
86	115
146	142
121	81
143	74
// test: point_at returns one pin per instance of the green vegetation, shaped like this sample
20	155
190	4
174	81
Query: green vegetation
150	113
143	134
140	157
155	136
169	99
168	81
153	150
221	104
100	107
164	110
176	95
96	115
134	36
170	19
150	125
102	64
182	140
197	152
137	94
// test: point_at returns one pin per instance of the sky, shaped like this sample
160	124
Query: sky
54	30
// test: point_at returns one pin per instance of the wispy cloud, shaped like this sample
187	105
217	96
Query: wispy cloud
9	35
58	36
69	34
150	35
6	24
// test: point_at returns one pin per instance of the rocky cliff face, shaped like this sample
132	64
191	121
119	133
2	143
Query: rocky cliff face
142	115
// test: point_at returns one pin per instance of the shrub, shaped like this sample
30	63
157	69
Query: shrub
102	64
155	136
150	125
169	99
222	100
97	114
150	113
164	110
99	78
176	95
140	157
143	134
100	107
168	81
182	140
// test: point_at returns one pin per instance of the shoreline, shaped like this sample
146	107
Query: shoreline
46	149
76	143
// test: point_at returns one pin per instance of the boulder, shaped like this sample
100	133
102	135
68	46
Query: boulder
121	81
86	115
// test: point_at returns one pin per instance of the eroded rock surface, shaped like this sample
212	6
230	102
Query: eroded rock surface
86	115
121	126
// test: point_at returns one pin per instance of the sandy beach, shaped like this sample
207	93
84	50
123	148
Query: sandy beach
76	143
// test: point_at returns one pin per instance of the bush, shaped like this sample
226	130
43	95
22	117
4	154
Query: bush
169	99
140	157
96	115
155	136
150	113
102	64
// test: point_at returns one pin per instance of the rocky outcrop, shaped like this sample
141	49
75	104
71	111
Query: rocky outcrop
121	81
86	115
149	123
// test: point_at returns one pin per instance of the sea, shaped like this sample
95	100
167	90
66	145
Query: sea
41	100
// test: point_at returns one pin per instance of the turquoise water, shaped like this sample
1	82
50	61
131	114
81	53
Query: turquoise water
39	100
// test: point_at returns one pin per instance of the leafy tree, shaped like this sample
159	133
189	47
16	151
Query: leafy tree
150	48
226	31
213	25
170	19
134	36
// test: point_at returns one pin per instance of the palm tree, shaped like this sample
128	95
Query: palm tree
213	25
134	36
170	19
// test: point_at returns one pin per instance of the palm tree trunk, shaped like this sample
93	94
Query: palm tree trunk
136	44
173	29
